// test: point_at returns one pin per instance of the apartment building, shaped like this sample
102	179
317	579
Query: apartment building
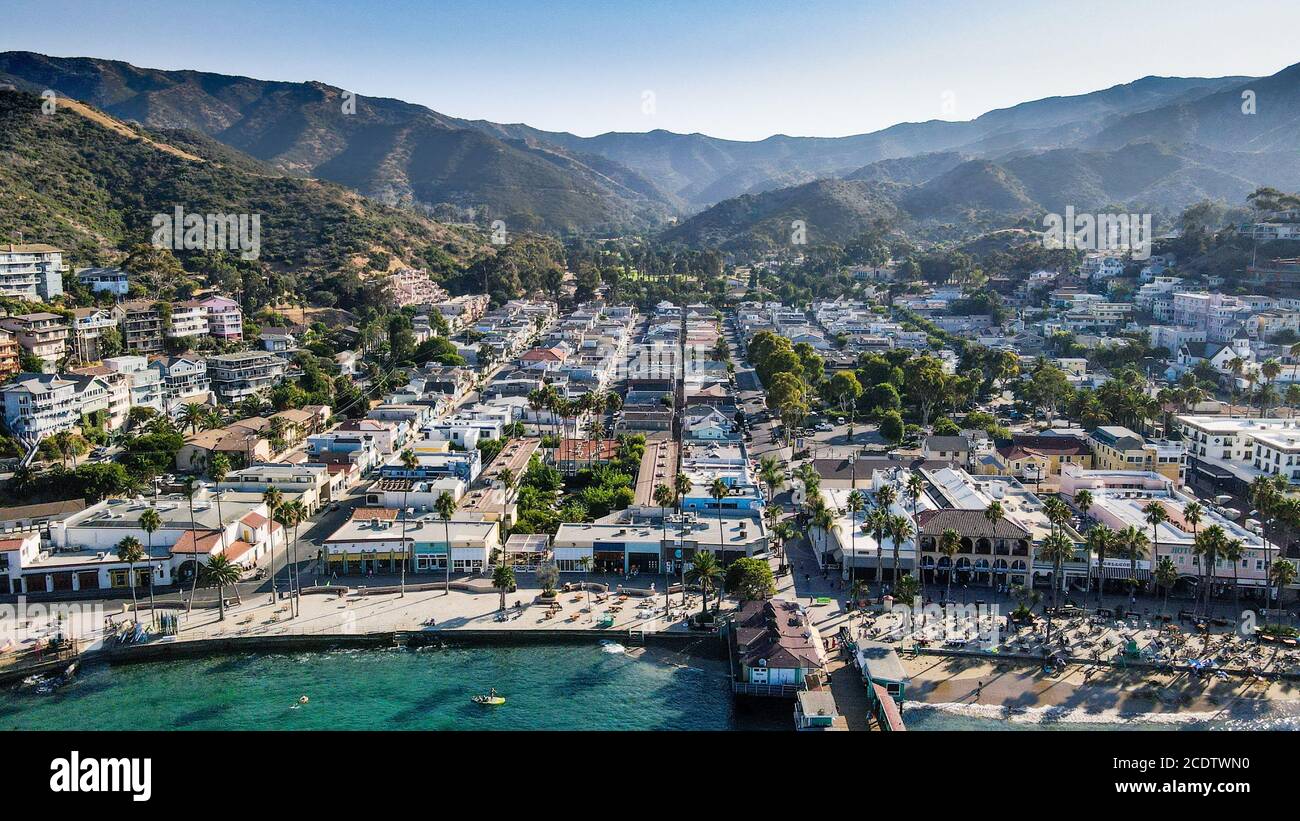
88	327
188	320
33	272
411	286
39	405
146	383
225	319
248	373
1115	447
184	380
9	349
142	325
43	335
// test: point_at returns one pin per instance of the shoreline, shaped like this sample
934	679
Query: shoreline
1083	716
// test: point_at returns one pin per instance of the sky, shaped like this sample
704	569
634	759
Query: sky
738	70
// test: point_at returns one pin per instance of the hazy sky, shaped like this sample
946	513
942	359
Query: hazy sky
743	70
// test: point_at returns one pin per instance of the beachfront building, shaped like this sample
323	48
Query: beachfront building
26	568
850	543
373	539
776	647
1119	500
237	527
649	544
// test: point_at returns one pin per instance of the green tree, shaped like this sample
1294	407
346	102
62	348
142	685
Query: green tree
503	579
221	572
705	572
750	578
130	551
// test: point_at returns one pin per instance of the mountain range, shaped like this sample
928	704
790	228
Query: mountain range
1155	144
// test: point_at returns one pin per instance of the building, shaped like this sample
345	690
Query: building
39	405
1117	448
306	483
238	375
776	647
43	335
9	353
142	325
411	286
88	328
184	380
1226	454
188	320
225	319
105	280
31	272
381	538
146	383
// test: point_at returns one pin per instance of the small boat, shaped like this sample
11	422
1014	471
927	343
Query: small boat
488	700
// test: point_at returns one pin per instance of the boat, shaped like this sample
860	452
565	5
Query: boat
489	700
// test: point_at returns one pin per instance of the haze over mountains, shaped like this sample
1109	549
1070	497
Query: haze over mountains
1156	144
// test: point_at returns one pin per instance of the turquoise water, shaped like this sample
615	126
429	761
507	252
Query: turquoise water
564	687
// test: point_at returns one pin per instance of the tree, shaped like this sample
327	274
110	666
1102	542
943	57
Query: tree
1208	547
750	579
129	551
150	522
446	507
1155	515
1233	551
1166	577
769	473
900	530
844	390
293	514
949	545
718	490
503	579
221	572
1283	574
271	497
705	572
409	463
891	427
1100	541
1132	543
1057	549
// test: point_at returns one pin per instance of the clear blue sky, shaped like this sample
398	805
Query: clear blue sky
743	70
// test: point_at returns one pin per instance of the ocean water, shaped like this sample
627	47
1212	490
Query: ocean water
562	687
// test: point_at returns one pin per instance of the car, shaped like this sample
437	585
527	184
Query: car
839	420
334	506
825	426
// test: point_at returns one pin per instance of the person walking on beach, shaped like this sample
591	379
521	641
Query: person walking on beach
979	690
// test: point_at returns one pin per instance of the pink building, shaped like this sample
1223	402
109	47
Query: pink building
225	319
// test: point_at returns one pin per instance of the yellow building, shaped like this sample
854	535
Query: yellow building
1118	448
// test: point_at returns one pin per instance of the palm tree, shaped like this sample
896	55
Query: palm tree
875	521
900	530
705	572
218	468
1083	501
150	521
995	513
584	566
663	496
293	514
718	490
1233	551
271	497
1156	515
503	579
129	551
446	507
1100	540
1283	574
1057	549
886	495
1132	543
914	487
221	572
949	545
508	479
1208	546
409	463
191	416
857	502
769	473
1166	577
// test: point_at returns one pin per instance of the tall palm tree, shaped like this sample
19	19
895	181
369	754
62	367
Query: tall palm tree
994	513
293	514
663	496
150	522
409	463
949	545
1132	543
900	530
1057	549
508	480
705	572
1166	577
191	416
718	490
129	551
1100	540
886	495
1283	574
218	469
1233	551
769	473
857	502
1083	501
1208	547
446	507
1155	515
914	487
272	497
876	521
221	572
